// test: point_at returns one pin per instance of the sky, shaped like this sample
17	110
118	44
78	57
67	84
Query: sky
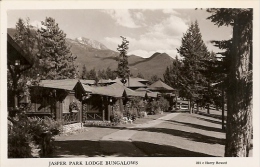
147	30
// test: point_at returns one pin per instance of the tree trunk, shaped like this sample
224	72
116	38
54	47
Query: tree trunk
189	106
197	107
239	94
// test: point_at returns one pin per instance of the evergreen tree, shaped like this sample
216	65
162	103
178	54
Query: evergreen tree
172	74
92	74
239	78
102	74
56	60
123	69
84	73
140	75
110	74
194	51
154	78
25	38
212	76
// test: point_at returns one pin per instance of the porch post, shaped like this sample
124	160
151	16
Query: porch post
108	109
57	110
121	105
103	108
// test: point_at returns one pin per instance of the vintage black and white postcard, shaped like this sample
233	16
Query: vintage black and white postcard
129	83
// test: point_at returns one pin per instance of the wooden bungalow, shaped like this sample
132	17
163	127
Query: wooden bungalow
57	99
133	83
168	92
53	98
103	100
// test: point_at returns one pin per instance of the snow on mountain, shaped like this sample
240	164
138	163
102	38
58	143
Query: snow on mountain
91	43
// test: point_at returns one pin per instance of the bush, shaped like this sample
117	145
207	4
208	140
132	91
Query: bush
19	143
26	132
116	117
142	114
164	104
152	107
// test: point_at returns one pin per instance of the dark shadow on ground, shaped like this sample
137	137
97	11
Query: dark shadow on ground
209	120
188	135
208	128
211	115
155	150
109	127
119	149
77	147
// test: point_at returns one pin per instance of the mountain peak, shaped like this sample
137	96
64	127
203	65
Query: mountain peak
160	55
91	43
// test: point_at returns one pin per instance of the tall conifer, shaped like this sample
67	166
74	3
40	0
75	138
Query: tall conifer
123	69
193	51
56	60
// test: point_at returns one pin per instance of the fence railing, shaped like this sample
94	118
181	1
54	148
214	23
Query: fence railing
70	117
93	116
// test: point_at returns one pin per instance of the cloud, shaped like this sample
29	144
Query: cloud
170	11
164	36
37	24
125	18
172	26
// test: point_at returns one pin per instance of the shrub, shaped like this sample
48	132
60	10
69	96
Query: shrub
32	131
18	143
142	114
116	117
164	104
132	114
152	107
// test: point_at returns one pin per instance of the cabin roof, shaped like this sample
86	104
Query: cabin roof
160	85
66	84
113	90
15	52
132	82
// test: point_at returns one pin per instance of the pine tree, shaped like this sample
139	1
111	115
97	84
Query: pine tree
212	76
25	38
110	74
102	74
194	51
92	74
239	79
140	75
56	60
172	74
84	73
154	78
123	69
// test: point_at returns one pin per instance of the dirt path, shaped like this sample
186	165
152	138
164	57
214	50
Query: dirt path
127	148
104	141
